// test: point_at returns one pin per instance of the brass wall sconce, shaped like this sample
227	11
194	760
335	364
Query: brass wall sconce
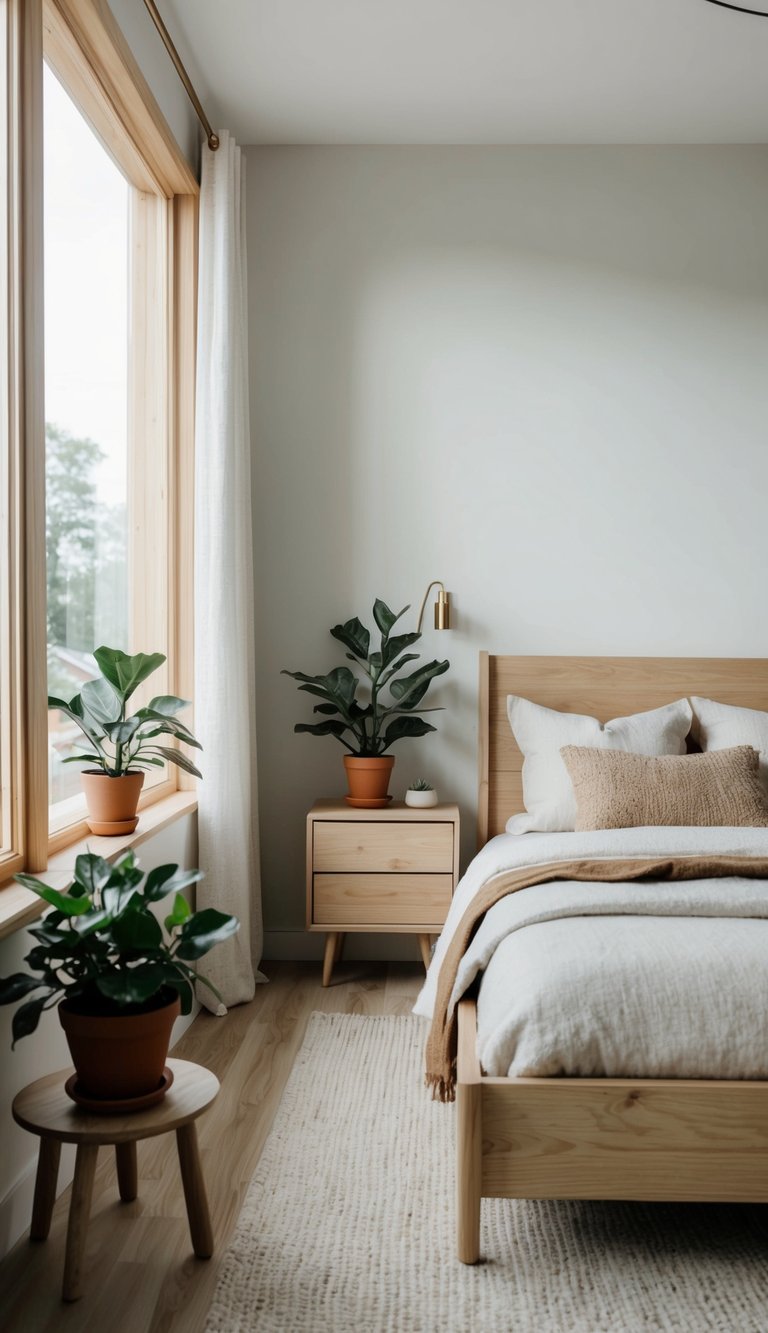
442	607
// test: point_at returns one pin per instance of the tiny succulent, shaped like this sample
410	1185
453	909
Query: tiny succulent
369	728
103	945
421	784
119	744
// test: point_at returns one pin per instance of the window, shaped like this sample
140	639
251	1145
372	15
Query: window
112	453
86	236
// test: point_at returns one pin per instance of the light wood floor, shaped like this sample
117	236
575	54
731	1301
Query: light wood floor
141	1275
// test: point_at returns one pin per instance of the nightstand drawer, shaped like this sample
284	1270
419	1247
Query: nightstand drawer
386	845
380	900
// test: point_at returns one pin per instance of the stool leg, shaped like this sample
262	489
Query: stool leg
45	1188
79	1211
194	1191
127	1171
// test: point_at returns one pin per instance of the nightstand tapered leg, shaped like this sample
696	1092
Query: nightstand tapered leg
329	957
425	944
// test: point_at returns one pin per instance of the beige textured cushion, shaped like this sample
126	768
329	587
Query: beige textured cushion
620	790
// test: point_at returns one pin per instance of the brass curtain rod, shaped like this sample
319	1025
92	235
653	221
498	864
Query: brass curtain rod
213	139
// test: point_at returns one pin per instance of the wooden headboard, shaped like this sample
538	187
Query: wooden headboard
602	687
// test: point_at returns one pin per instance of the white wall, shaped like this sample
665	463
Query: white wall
538	374
46	1051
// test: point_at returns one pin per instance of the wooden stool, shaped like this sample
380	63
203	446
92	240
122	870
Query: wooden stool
45	1109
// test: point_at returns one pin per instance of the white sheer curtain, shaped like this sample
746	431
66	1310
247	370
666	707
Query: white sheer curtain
224	640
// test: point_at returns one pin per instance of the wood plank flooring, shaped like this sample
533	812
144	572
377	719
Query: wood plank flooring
140	1273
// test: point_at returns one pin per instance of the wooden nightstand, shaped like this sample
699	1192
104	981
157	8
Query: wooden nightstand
389	870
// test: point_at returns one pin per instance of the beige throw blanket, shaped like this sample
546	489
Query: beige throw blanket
441	1042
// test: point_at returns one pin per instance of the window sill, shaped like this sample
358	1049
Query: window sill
19	906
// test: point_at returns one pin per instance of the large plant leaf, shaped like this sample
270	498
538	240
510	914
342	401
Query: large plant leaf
342	684
137	930
410	690
126	673
176	757
86	925
39	960
385	618
121	733
100	701
357	711
393	647
133	985
337	687
405	726
69	906
203	930
92	872
183	988
27	1017
168	879
401	662
117	897
125	877
354	636
92	730
51	935
166	726
167	704
19	983
330	728
328	709
181	912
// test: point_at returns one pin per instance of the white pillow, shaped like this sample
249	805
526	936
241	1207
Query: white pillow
541	732
721	726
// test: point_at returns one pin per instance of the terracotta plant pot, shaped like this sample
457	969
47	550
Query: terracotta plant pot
111	802
119	1055
368	779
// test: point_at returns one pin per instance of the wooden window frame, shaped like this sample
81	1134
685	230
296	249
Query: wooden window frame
83	44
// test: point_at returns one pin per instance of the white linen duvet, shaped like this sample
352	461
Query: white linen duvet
647	979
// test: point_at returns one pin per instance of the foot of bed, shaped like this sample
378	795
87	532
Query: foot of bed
468	1173
469	1139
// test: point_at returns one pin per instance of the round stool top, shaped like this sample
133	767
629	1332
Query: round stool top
44	1108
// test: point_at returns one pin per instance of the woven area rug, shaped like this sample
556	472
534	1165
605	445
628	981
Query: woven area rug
348	1224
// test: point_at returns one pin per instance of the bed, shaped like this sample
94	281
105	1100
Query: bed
631	1138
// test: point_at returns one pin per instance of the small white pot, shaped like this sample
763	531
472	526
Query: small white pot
421	799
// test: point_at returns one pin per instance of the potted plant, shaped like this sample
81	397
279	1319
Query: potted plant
122	747
367	729
421	794
118	977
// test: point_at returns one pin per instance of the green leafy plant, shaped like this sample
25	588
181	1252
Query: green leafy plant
370	727
421	784
103	946
119	743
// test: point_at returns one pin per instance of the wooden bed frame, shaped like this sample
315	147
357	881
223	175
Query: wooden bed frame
603	1138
